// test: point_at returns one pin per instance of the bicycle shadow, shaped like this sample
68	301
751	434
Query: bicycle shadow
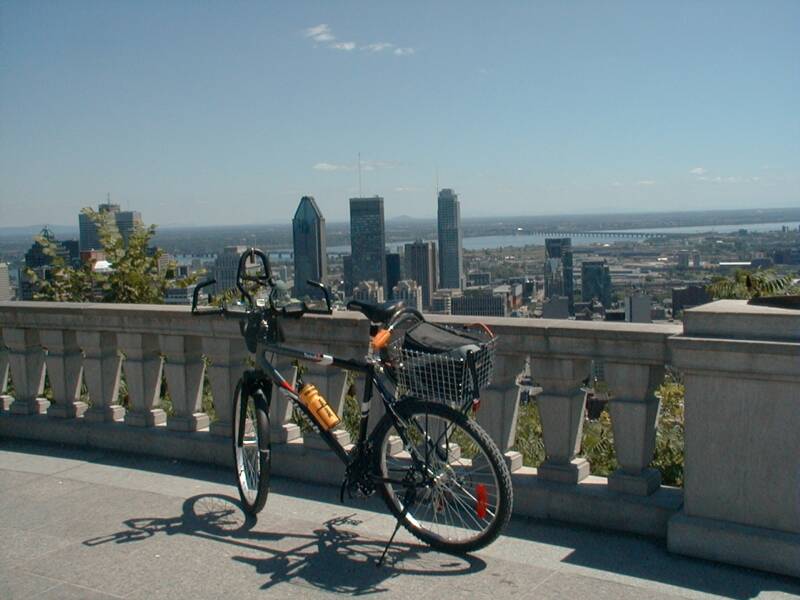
332	558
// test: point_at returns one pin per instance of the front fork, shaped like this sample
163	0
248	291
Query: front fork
256	386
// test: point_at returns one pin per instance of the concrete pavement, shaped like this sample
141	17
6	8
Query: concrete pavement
94	524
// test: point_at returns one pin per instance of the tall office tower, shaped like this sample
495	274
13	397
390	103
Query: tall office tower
89	239
347	274
310	250
127	221
558	276
420	265
392	270
596	282
226	267
5	285
451	254
368	240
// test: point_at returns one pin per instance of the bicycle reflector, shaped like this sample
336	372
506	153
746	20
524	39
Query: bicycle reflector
481	500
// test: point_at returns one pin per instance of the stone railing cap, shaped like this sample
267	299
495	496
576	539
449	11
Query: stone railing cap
738	320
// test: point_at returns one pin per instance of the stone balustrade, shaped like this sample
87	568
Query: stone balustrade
155	345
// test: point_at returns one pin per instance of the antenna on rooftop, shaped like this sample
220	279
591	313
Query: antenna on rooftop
360	195
437	181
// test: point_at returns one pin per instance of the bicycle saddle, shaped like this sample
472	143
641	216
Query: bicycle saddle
377	313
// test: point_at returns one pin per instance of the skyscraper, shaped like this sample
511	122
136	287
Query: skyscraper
558	275
310	250
596	281
392	270
451	254
226	267
89	238
125	221
368	240
420	265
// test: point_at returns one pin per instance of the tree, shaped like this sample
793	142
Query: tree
60	282
745	284
134	276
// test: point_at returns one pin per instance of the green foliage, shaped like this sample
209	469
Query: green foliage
529	435
669	433
63	282
745	284
597	444
134	277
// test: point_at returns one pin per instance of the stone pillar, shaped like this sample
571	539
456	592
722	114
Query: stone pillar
634	412
26	360
64	369
282	430
561	408
184	370
102	367
499	406
227	362
332	384
741	488
5	399
142	366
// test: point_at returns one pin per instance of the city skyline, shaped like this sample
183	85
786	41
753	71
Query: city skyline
184	111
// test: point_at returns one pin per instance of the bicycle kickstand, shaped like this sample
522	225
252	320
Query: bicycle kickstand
406	505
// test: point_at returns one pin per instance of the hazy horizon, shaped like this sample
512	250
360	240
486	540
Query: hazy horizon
224	114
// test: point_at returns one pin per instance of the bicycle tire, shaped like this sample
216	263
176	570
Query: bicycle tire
465	499
252	457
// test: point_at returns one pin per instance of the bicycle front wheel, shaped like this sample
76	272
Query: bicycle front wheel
251	449
442	476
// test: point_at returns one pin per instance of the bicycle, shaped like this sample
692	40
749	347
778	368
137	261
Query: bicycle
438	471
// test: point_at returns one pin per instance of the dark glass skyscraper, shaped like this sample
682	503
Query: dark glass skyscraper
393	274
558	273
310	250
368	240
451	254
596	281
420	265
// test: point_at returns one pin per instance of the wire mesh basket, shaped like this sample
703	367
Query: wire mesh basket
454	378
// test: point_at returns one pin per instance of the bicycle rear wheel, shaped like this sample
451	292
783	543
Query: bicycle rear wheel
251	448
448	484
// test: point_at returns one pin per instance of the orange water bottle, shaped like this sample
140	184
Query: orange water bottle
324	415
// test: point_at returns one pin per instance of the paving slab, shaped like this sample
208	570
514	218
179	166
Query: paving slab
106	525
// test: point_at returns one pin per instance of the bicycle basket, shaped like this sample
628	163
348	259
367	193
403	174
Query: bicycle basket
444	364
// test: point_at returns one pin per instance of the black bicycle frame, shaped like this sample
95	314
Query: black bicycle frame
266	373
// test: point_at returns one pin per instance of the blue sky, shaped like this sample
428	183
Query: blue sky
227	112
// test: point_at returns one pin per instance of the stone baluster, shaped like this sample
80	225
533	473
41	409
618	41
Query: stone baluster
227	362
184	370
143	366
561	409
102	367
5	399
499	407
26	360
634	411
282	430
65	370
